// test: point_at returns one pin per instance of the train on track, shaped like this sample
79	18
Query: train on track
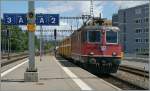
95	47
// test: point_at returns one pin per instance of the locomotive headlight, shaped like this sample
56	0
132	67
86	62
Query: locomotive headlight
114	54
103	48
91	53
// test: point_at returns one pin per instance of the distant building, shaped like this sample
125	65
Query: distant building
115	20
134	25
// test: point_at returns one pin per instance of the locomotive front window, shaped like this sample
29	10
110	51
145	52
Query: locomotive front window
111	36
94	36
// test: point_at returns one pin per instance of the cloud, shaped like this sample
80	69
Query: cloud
73	8
84	7
98	8
78	7
128	4
54	9
40	10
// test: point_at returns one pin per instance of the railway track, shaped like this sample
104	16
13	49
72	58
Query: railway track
12	55
133	75
110	79
127	78
118	82
133	70
12	58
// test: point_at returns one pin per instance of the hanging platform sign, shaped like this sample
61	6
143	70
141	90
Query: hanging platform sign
21	19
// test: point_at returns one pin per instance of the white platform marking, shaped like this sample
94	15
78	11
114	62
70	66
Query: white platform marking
118	89
15	67
76	79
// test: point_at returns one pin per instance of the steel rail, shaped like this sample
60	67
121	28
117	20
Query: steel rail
133	70
11	60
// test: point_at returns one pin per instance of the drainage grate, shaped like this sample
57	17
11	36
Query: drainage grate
39	83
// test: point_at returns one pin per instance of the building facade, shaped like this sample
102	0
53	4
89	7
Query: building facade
134	29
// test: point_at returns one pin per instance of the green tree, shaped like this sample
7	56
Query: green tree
48	45
18	38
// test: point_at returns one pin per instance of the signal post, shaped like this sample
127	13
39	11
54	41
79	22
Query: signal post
31	74
55	34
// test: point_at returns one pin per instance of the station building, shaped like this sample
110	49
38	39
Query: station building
134	25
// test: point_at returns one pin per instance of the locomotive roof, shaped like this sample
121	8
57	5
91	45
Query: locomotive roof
97	27
107	28
68	37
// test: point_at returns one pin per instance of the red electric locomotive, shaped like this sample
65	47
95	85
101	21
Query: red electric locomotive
96	48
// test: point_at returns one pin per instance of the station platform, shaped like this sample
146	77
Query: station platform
54	75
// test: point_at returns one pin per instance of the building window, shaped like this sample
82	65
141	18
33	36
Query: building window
142	50
138	11
141	40
137	49
147	19
144	30
139	21
144	19
124	15
136	21
146	40
138	30
136	40
146	9
147	30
